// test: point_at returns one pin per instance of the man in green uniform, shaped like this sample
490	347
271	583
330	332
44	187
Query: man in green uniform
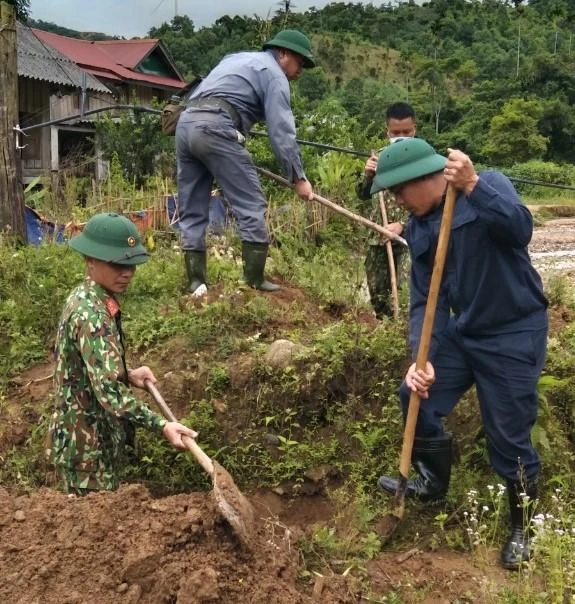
93	399
400	122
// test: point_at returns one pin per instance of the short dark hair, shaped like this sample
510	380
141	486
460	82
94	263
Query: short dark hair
399	111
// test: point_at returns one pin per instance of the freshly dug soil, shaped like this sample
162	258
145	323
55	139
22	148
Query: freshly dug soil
127	547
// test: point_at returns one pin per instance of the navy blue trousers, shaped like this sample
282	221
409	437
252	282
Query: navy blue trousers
505	370
207	148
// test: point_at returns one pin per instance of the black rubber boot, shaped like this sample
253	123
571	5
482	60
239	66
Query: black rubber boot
431	459
254	256
516	549
195	269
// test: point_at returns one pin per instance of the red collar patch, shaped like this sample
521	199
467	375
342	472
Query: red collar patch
112	306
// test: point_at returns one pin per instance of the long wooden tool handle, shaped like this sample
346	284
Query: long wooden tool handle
190	443
427	328
390	260
337	208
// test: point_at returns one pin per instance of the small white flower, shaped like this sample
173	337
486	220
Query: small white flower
490	487
485	508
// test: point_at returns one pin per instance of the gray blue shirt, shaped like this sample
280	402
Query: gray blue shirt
257	87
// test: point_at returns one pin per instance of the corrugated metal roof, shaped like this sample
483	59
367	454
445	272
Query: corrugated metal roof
40	61
95	57
128	53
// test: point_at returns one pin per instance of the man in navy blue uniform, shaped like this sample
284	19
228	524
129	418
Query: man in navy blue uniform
490	327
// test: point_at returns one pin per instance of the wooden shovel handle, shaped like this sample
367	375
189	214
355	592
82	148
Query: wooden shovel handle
339	209
190	443
427	328
390	259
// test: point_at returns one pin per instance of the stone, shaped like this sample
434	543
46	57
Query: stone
281	353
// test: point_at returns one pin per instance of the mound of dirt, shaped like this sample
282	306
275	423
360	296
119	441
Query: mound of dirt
126	547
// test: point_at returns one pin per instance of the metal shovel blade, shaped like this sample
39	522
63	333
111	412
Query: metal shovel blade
387	524
233	505
230	502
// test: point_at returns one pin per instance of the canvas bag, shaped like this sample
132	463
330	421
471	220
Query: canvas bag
172	110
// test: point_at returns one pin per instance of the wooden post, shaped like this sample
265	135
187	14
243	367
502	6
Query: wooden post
11	189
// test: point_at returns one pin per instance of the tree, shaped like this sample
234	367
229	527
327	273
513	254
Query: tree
11	191
139	145
313	84
431	73
513	133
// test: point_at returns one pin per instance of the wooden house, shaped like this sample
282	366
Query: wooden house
51	86
60	76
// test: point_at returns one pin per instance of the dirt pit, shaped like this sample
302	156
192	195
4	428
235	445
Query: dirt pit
126	547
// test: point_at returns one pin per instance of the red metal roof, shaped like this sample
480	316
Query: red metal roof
129	53
110	59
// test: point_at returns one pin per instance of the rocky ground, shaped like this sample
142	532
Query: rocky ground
552	248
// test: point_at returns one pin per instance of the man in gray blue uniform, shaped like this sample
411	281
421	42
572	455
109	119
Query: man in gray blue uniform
242	89
490	328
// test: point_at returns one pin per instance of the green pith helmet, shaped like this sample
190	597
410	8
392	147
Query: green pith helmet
111	238
405	160
293	40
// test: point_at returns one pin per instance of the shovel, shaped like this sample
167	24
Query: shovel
230	502
339	209
390	259
388	523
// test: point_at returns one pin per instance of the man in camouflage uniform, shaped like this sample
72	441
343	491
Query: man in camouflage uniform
94	403
400	122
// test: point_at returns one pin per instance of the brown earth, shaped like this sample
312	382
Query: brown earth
127	547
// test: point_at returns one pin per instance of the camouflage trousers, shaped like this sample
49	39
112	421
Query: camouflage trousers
86	466
379	279
104	478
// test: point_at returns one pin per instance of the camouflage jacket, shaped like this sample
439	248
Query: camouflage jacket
92	396
372	209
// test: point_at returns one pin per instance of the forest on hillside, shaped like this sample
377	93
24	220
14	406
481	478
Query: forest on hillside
494	78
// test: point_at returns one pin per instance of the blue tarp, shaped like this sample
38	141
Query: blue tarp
39	230
219	216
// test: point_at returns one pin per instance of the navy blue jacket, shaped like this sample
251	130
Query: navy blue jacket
489	285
